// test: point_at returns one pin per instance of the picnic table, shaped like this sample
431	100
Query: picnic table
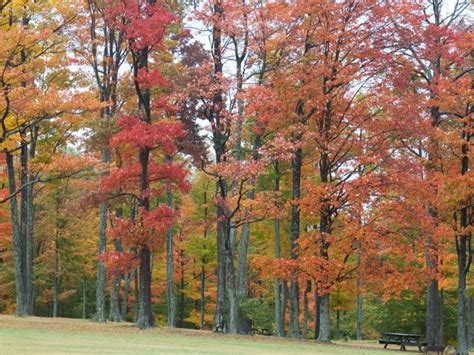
403	340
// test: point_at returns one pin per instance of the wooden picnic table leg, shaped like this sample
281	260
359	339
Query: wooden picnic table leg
402	348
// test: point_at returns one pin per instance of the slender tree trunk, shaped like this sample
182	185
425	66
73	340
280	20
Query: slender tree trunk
325	322
471	323
136	290
284	302
317	313
279	322
56	276
359	314
100	288
84	297
306	314
462	348
338	324
170	297
203	298
181	291
295	232
126	294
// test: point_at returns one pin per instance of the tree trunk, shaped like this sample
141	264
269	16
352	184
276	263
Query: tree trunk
284	303
181	291
115	314
219	325
317	313
170	297
100	288
295	232
359	314
203	298
145	314
461	293
56	276
325	322
126	295
306	314
136	304
338	324
471	323
230	286
84	297
18	252
279	321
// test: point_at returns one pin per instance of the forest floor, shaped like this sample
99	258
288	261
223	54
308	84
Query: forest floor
65	336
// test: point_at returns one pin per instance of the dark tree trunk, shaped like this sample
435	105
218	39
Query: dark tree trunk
136	290
18	252
295	233
145	314
464	244
84	297
279	320
170	297
100	287
306	314
471	323
126	294
284	302
203	298
56	276
317	313
181	291
359	313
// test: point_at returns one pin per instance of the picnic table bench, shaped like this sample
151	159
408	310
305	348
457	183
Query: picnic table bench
403	340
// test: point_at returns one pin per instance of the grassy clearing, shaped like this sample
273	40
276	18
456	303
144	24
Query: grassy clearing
66	336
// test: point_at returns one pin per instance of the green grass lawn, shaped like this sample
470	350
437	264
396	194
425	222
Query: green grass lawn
61	336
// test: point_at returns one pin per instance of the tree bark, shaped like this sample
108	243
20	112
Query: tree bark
471	323
100	287
295	232
18	252
170	297
56	275
126	295
325	322
317	313
306	314
84	297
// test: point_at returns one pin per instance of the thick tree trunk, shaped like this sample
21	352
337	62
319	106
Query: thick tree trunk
230	286
295	233
18	252
219	325
325	322
433	314
115	315
170	297
145	314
